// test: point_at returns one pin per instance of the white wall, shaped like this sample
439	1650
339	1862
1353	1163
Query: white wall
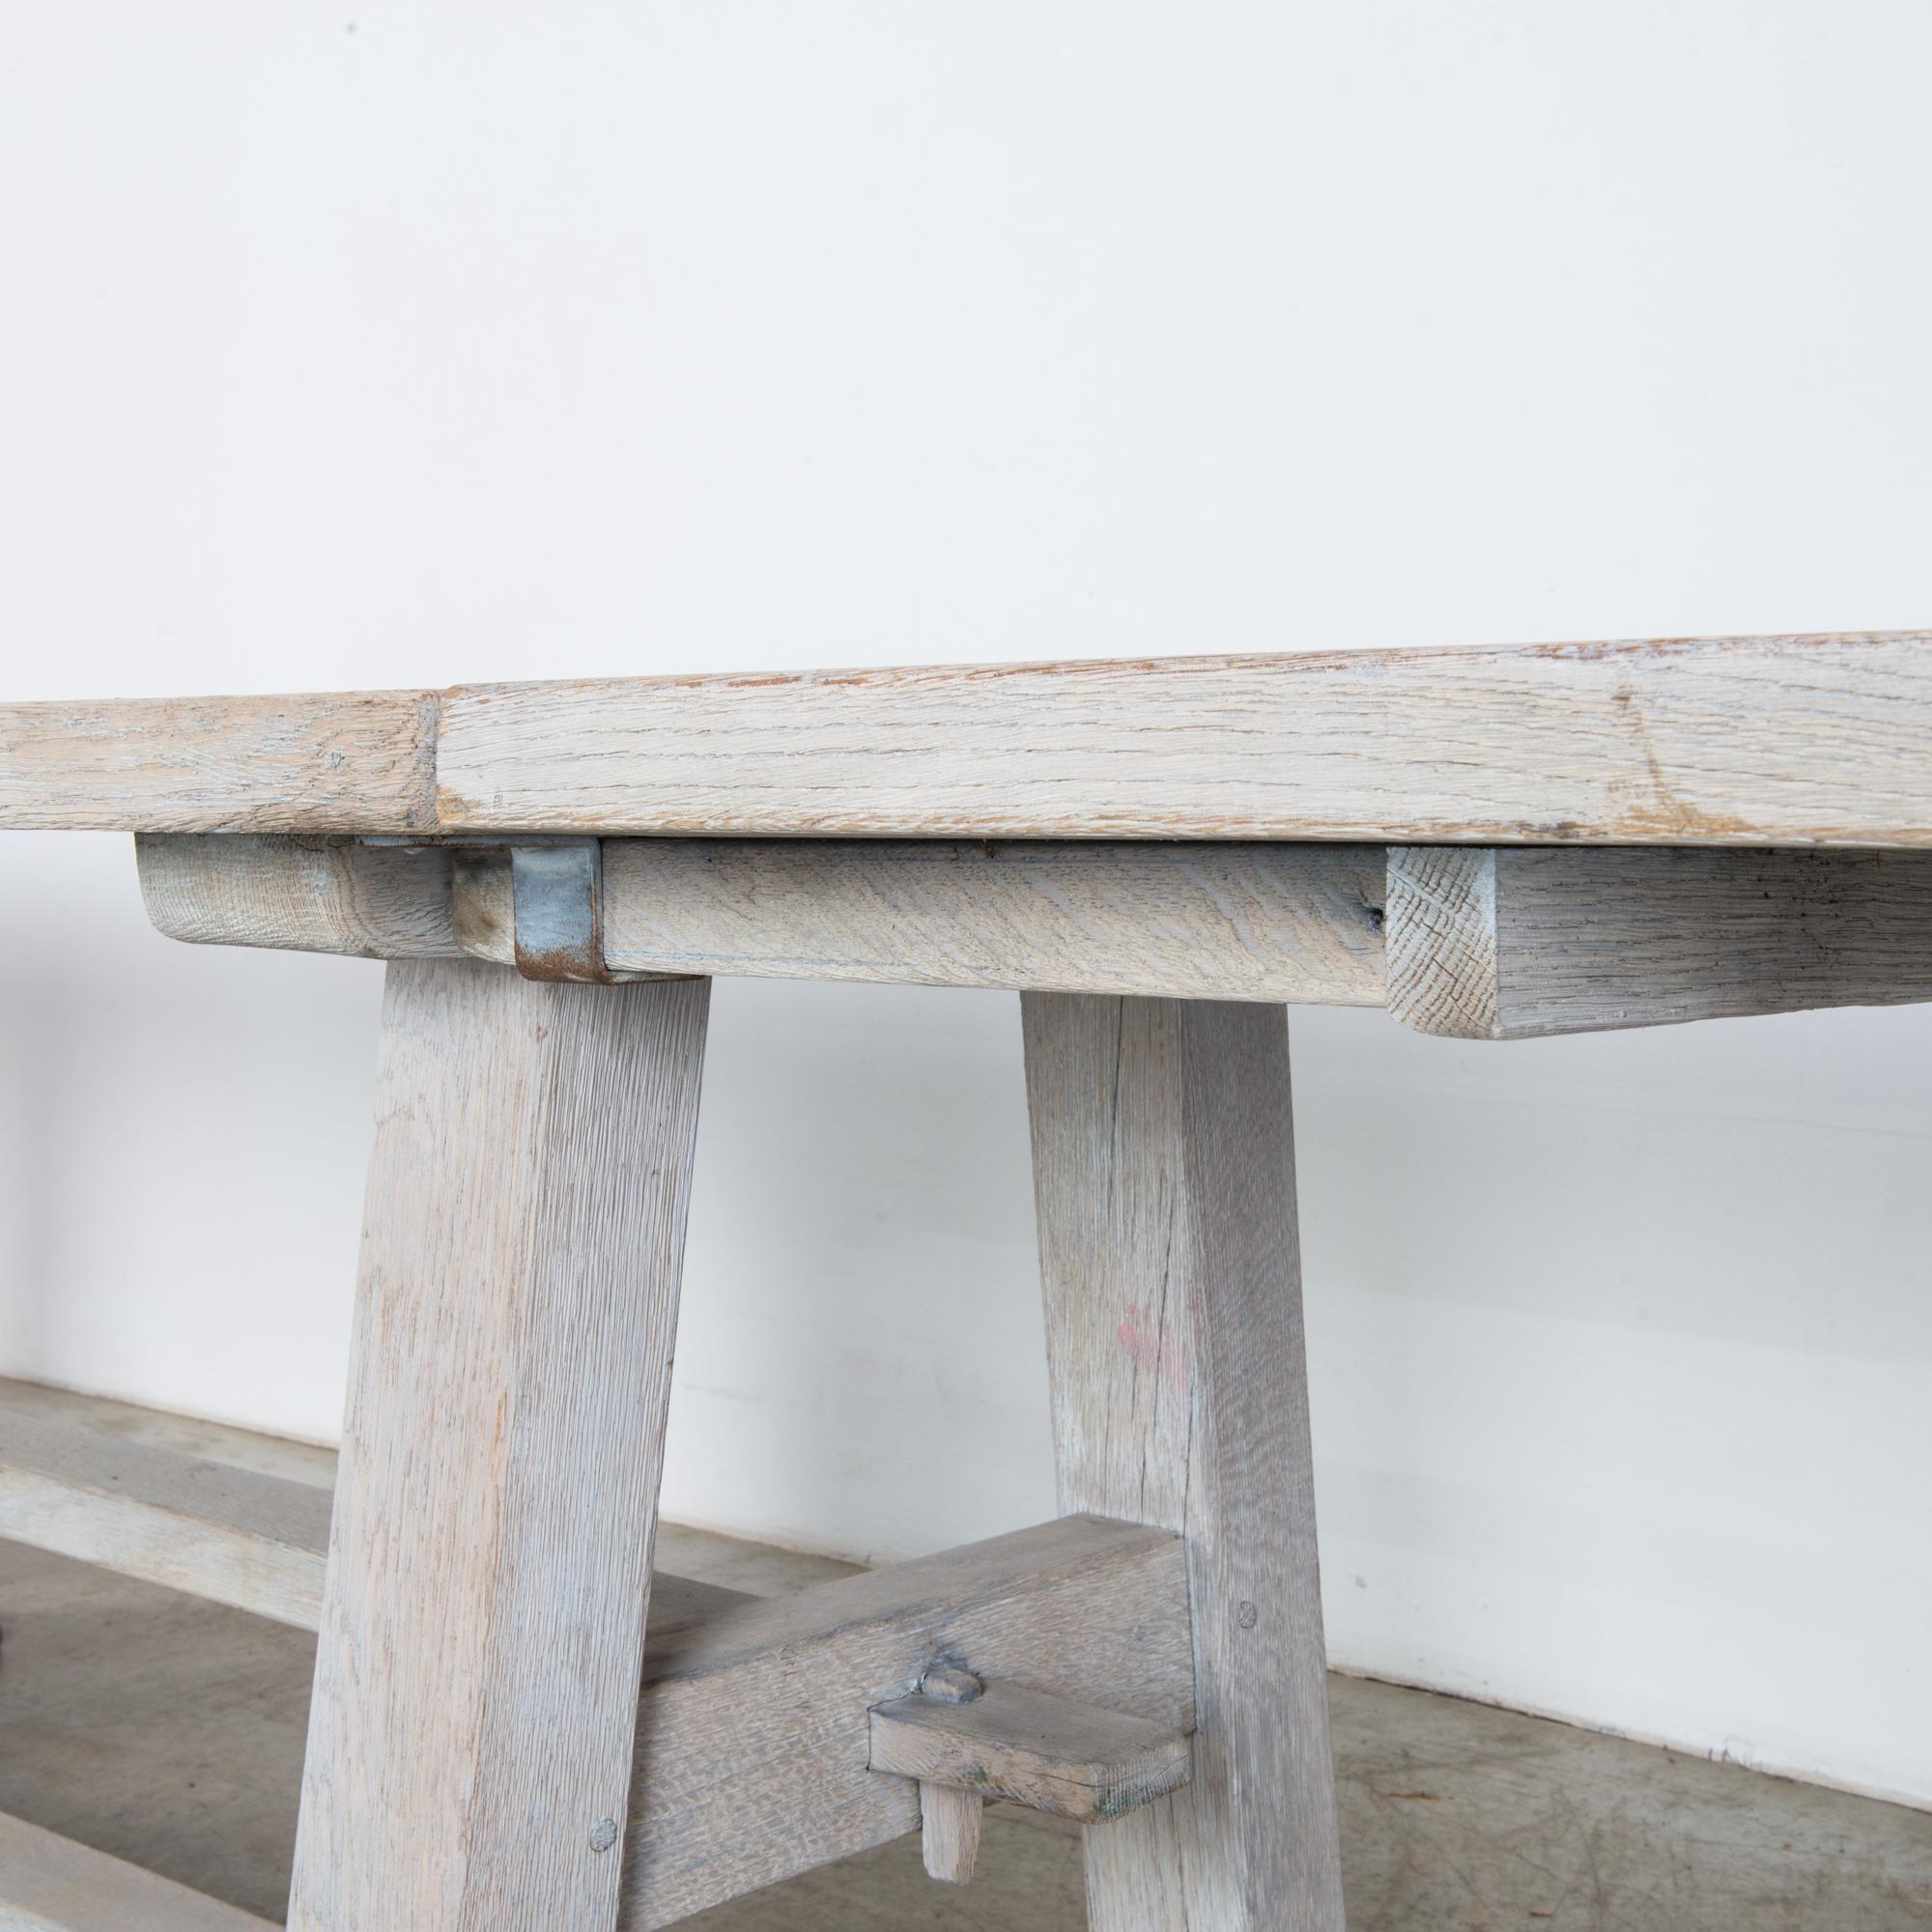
380	345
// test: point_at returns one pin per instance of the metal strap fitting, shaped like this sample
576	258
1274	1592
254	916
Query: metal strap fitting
556	894
557	901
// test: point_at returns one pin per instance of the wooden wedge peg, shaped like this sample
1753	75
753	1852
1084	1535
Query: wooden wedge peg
949	1817
948	1684
1050	1753
949	1831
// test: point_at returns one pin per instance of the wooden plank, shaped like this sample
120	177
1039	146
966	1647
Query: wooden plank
762	1715
754	1734
1164	1178
1298	923
482	1630
50	1884
303	894
1241	923
1730	741
1740	741
1514	944
1588	938
343	761
1058	1754
253	1541
206	1527
1231	922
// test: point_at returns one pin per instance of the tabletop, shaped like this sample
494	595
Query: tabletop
1815	740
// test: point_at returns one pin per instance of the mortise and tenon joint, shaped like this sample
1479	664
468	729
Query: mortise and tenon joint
967	1742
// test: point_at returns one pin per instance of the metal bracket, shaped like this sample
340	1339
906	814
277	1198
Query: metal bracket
555	911
557	896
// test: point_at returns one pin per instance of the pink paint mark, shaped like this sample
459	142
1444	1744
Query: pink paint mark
1149	1349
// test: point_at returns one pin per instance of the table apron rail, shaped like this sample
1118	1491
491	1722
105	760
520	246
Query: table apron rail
1464	942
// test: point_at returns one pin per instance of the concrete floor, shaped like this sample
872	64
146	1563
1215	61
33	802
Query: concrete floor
169	1731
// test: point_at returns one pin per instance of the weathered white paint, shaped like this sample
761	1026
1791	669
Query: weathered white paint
316	392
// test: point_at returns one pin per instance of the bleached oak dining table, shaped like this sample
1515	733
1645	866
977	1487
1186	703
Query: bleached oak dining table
513	1726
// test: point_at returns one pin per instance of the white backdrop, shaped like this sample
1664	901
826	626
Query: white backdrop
371	345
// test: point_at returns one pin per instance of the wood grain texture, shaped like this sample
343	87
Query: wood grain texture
1058	1754
477	1675
1728	741
253	1541
50	1884
1740	741
1580	938
754	1734
1164	1178
1515	944
1226	921
342	762
949	1830
305	894
233	1535
1241	923
1442	956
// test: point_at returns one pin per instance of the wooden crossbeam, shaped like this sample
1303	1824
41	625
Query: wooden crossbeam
234	1536
1512	942
1249	922
1241	921
753	1738
299	893
51	1884
1476	942
754	1734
